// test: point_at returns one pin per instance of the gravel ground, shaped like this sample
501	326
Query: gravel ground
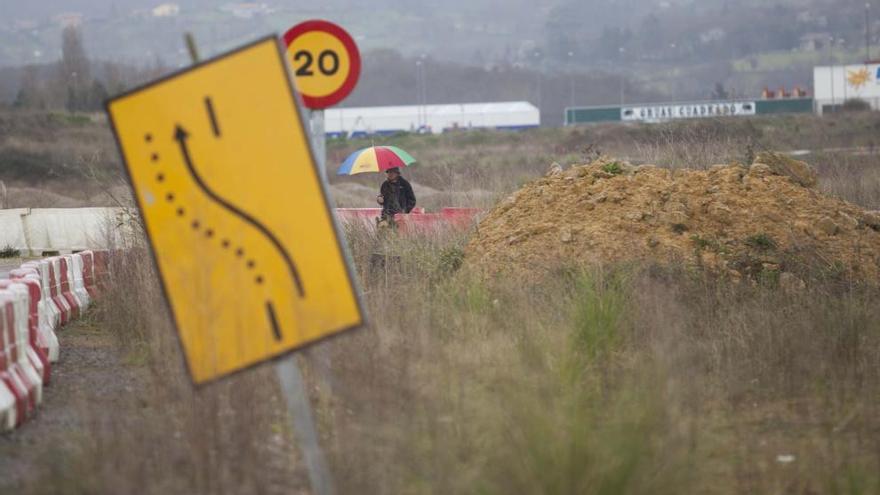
89	374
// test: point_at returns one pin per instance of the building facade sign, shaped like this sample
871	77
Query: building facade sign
656	113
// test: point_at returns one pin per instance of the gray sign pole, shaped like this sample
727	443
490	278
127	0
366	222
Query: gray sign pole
299	410
319	141
293	386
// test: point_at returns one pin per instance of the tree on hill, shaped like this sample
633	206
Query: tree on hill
29	93
74	70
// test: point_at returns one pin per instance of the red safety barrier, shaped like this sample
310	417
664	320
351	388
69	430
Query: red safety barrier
89	272
67	287
10	381
448	218
15	377
102	269
460	217
48	316
29	364
52	311
38	344
77	284
55	289
423	223
40	347
344	214
35	299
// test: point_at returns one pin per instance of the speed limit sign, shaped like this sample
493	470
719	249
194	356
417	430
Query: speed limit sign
325	61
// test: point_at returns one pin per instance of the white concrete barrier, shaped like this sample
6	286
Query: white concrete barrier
35	231
39	297
12	228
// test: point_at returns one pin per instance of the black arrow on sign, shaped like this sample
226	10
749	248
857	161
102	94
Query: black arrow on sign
181	136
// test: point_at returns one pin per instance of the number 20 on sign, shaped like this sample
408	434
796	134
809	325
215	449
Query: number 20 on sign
325	62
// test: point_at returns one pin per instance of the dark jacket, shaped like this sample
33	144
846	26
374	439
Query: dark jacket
398	197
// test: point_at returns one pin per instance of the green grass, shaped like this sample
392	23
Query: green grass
761	242
612	168
9	252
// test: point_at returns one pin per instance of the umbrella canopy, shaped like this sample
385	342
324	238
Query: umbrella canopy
375	159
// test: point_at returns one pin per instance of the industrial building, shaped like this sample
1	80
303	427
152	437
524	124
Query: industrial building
363	121
661	112
833	85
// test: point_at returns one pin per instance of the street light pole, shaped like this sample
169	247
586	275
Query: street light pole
831	69
418	95
622	51
424	65
867	33
571	78
538	66
421	92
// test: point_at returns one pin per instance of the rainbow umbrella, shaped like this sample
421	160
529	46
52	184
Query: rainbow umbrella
375	159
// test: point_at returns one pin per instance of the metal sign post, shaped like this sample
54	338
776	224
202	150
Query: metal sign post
319	141
299	410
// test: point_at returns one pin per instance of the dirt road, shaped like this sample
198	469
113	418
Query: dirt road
111	422
88	382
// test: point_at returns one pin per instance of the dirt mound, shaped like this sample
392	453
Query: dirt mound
761	221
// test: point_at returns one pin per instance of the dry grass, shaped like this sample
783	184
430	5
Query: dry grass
604	380
607	380
163	436
853	177
476	168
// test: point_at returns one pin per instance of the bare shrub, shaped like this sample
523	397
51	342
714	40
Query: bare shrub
853	177
618	380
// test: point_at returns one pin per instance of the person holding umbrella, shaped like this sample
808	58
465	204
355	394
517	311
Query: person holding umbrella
396	194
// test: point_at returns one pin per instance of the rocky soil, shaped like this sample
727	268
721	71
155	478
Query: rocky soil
763	221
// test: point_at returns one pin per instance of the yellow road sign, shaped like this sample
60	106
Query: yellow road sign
235	210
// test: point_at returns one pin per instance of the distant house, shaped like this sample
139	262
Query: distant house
24	25
166	10
714	34
68	19
812	42
356	122
246	10
807	17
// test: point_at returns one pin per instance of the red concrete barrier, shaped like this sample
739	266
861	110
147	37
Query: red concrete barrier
38	297
423	223
29	362
26	391
51	313
39	345
350	214
448	218
67	287
101	270
460	217
55	289
89	272
8	377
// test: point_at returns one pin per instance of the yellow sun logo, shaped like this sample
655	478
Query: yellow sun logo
858	78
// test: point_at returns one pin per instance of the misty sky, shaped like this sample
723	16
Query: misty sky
468	31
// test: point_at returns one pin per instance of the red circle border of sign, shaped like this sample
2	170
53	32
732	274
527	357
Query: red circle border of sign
317	103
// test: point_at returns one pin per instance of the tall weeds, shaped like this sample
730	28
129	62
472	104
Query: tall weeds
604	380
607	380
